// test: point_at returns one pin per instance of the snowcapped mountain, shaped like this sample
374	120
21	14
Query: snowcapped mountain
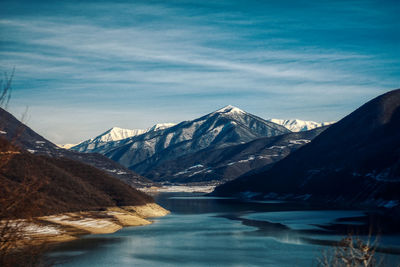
115	134
227	126
160	126
296	125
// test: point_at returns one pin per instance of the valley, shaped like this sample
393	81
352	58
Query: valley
218	169
199	133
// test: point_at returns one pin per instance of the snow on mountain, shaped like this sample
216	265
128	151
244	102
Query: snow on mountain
227	126
160	126
116	134
230	109
66	146
296	125
227	163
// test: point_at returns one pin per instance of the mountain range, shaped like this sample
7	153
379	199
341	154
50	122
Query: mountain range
355	160
117	133
215	148
148	153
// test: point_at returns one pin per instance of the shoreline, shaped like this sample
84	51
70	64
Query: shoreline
70	226
184	188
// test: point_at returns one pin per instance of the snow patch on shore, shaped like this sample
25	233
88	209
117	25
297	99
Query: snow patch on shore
181	188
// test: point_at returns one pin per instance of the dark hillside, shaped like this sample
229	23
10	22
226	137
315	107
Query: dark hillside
356	159
52	185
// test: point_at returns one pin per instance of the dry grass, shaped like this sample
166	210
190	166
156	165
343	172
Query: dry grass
351	252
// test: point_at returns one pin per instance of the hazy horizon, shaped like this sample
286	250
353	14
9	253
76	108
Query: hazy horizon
82	67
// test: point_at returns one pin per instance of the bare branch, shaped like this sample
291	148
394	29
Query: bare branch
5	93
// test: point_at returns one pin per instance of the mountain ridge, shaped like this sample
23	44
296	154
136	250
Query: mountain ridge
115	134
219	165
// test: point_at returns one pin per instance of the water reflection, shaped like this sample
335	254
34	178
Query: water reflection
222	232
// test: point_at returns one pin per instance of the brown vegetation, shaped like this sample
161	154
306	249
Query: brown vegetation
59	185
351	252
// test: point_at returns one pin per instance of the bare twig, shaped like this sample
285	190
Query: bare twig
351	252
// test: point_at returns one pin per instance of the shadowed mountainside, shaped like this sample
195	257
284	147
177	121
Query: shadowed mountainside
357	160
227	163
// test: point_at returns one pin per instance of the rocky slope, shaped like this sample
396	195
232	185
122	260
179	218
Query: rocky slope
218	165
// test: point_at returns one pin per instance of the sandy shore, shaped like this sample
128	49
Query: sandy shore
69	226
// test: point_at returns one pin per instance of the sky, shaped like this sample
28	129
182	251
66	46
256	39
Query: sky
82	67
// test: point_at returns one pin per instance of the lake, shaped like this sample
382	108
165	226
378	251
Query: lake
207	231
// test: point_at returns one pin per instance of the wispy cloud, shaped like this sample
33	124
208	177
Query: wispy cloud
128	56
88	44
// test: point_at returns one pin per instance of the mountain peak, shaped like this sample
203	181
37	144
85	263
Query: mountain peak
116	133
161	126
229	109
114	129
296	125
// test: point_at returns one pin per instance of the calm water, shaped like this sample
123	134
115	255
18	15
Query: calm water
203	231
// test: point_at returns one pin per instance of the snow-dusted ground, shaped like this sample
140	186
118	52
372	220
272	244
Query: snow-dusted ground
42	229
82	222
28	228
181	188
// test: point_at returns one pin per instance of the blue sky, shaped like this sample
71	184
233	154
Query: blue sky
82	67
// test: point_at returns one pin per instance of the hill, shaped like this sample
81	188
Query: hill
42	185
355	160
25	138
